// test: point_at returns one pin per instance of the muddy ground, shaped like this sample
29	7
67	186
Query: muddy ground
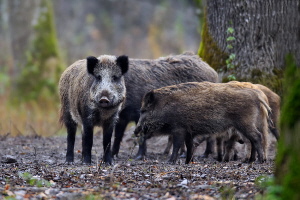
33	168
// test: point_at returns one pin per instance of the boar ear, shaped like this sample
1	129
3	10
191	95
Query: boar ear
123	63
91	63
149	98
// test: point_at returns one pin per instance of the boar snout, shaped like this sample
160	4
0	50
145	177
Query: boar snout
104	102
137	131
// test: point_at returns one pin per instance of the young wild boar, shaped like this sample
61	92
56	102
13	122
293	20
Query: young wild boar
190	109
274	103
145	75
92	92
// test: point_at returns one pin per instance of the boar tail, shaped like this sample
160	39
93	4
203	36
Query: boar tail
266	113
61	117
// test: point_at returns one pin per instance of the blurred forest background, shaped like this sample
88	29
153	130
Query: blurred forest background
40	38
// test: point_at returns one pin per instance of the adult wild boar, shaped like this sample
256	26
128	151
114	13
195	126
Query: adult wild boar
145	75
190	109
92	92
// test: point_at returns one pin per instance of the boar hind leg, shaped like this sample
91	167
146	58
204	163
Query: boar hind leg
169	145
189	148
256	146
107	135
229	147
275	132
87	143
119	133
219	149
210	143
71	129
178	139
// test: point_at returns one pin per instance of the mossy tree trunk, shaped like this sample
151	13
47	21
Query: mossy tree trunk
260	34
288	156
40	75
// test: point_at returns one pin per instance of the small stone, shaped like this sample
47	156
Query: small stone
8	159
184	182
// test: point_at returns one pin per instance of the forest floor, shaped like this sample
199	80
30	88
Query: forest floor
34	168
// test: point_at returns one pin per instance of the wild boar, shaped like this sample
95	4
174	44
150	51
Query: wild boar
145	75
92	92
190	109
274	103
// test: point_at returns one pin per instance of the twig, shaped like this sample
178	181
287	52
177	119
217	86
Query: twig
112	174
3	137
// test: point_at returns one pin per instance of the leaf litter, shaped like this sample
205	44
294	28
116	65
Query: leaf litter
33	168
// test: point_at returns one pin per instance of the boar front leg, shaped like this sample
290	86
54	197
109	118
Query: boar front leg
71	129
87	143
107	135
142	149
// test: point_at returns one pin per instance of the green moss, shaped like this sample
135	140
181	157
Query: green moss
41	73
272	81
256	73
291	106
209	50
288	158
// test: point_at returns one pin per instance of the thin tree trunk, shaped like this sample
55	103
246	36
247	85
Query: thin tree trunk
20	18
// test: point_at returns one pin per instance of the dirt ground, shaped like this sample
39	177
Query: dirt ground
34	168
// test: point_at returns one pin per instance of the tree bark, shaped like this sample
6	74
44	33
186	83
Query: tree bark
20	18
264	32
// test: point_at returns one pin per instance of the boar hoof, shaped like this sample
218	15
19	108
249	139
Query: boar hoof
115	156
139	157
86	163
204	156
183	155
172	162
108	162
235	157
69	163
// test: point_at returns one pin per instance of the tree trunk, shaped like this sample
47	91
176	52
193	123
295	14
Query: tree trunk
43	65
20	18
260	32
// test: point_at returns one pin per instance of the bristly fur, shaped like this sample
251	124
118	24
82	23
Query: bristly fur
148	74
92	93
191	109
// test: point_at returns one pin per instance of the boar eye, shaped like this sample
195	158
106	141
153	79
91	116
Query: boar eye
143	111
99	78
116	78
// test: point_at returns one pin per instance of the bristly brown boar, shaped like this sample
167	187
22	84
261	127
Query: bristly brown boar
190	109
148	74
92	92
